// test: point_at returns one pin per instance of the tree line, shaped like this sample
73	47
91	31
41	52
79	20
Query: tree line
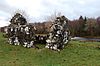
83	26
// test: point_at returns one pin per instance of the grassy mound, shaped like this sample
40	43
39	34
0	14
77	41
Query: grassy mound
75	54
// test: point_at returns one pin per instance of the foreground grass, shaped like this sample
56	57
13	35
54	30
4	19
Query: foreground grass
75	54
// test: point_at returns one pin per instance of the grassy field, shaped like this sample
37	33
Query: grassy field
75	54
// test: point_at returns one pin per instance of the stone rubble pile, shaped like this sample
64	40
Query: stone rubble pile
59	35
20	32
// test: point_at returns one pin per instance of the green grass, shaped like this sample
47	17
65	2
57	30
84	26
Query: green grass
75	54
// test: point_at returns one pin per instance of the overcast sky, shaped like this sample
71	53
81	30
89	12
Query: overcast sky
38	10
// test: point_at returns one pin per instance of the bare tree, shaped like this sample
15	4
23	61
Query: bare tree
53	16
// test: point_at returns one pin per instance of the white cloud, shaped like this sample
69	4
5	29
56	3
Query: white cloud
3	23
38	10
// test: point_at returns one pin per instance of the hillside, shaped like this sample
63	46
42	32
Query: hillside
75	54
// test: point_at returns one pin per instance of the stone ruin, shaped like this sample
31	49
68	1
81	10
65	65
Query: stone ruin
20	32
59	35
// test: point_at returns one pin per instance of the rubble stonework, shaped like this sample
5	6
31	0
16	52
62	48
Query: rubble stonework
20	32
59	35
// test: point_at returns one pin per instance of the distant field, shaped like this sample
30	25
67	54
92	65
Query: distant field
75	54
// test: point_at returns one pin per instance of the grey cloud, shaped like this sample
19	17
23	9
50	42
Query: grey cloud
70	8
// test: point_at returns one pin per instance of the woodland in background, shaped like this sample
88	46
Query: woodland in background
85	26
79	27
82	26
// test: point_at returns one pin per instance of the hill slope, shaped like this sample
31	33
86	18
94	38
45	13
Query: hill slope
75	54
